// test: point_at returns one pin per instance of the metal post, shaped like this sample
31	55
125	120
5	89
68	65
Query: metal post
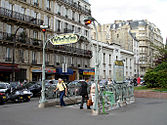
43	99
95	110
13	60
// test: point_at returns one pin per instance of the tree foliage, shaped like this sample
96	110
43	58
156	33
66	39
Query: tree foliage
157	77
161	56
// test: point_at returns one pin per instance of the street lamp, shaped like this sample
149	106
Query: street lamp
43	99
14	45
88	21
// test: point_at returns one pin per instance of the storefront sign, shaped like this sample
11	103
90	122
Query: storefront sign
47	70
64	39
88	73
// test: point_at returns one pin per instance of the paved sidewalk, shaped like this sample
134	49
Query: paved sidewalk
142	112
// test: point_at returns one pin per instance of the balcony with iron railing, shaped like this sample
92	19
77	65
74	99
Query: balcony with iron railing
76	6
13	15
66	30
74	51
9	38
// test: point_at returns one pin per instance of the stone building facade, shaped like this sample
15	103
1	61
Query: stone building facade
109	53
136	36
21	39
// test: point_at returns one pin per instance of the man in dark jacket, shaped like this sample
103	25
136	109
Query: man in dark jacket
84	93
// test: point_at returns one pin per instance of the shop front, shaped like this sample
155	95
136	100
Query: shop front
66	76
86	73
6	71
37	73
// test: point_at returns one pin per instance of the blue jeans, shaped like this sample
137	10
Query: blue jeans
61	98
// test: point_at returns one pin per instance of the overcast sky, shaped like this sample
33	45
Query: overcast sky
106	11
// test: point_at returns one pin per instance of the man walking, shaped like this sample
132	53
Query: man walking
84	93
62	89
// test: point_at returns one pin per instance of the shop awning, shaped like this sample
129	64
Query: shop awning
59	71
8	68
87	71
46	71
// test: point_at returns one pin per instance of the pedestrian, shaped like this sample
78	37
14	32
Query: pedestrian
109	81
62	89
135	82
138	80
92	91
84	93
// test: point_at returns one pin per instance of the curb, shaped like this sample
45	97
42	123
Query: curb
149	94
54	102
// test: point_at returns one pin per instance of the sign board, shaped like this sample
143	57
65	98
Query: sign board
118	71
64	39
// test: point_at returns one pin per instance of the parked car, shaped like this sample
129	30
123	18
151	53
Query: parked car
34	87
4	87
18	94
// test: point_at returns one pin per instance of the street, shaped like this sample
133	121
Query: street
142	112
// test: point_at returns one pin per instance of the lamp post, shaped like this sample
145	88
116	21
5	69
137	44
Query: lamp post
88	21
43	99
14	45
13	60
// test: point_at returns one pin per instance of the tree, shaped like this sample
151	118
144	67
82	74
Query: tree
161	56
157	77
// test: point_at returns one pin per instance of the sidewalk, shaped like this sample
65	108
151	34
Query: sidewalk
150	94
67	100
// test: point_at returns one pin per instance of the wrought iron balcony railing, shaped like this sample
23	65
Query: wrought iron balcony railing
38	43
21	17
66	30
79	7
18	39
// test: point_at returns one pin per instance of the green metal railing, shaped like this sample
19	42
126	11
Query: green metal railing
110	96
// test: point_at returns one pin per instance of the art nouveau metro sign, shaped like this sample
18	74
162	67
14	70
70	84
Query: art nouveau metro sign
64	39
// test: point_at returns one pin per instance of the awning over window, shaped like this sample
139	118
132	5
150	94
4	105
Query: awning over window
8	68
87	71
59	71
46	71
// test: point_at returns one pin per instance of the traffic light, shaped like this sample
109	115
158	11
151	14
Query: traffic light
87	22
43	30
44	27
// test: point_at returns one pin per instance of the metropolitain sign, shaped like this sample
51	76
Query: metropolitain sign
64	39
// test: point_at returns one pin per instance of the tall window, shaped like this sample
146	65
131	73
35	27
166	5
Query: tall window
34	57
86	33
47	20
35	35
104	58
73	15
73	27
66	13
48	4
79	29
8	28
8	53
21	55
66	25
58	25
35	2
104	72
79	17
109	58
